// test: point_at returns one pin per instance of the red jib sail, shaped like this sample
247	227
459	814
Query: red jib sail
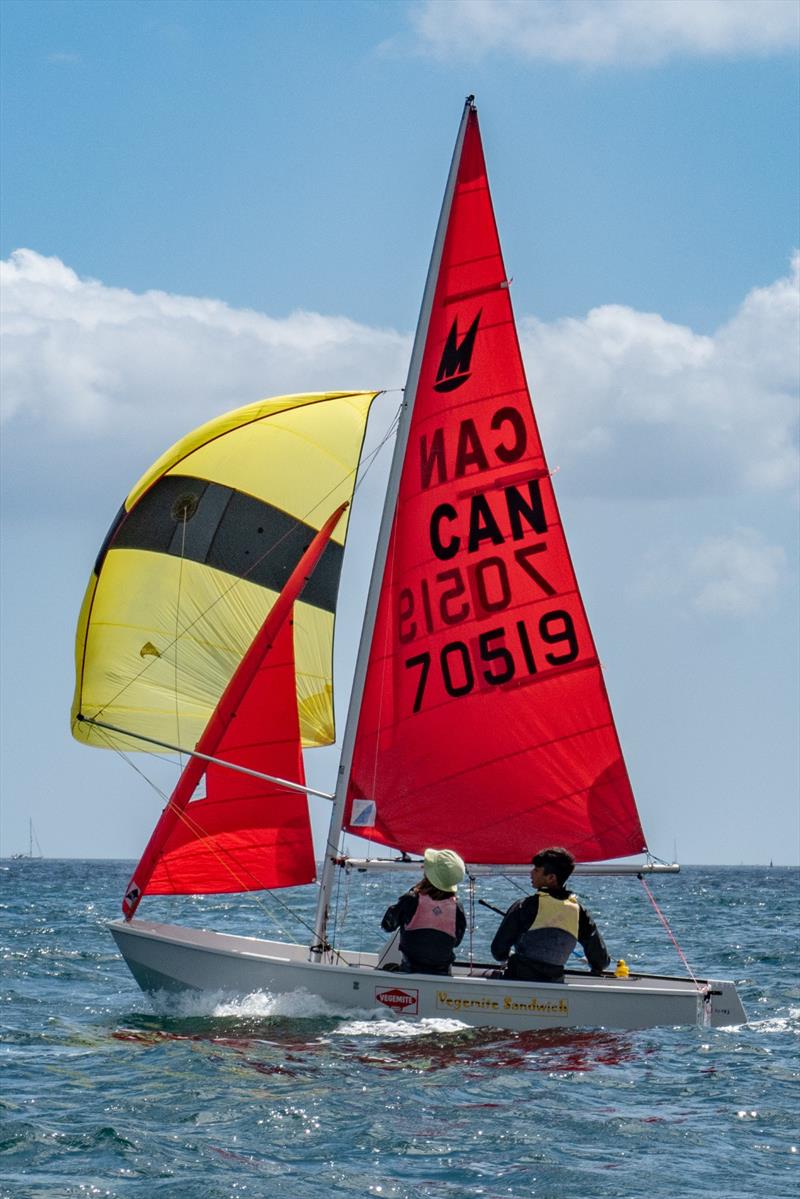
245	834
484	723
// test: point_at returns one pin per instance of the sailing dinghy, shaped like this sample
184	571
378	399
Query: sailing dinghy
478	716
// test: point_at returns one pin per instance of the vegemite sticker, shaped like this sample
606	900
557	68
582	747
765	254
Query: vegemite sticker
405	1002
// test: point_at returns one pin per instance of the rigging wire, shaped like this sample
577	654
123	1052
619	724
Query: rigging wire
471	921
665	922
363	918
237	873
102	735
656	908
336	902
371	458
181	559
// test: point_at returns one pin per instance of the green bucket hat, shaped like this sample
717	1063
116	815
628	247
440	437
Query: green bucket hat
443	869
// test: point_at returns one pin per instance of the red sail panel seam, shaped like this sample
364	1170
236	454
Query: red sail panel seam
504	481
532	807
601	830
482	618
481	487
454	407
478	291
459	263
543	805
533	747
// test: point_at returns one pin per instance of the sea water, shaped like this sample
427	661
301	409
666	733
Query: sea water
284	1096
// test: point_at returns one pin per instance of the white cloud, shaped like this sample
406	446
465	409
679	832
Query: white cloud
601	32
113	376
734	574
86	354
96	382
632	403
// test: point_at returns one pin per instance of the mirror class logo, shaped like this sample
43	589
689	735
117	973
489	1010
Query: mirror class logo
456	357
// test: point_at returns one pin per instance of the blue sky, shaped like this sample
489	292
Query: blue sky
204	203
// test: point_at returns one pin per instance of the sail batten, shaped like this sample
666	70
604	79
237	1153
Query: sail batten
484	722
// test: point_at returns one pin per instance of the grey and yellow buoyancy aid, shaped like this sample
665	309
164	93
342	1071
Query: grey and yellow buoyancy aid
554	932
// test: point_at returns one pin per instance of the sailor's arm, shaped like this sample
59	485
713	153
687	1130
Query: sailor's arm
461	923
592	943
399	913
512	925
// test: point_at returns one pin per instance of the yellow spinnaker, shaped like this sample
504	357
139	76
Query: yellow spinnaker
196	558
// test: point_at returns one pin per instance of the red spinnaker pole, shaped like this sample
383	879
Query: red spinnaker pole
226	708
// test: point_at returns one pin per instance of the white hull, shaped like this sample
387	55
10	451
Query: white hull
165	957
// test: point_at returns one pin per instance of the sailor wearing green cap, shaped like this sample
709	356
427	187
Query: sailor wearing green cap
431	920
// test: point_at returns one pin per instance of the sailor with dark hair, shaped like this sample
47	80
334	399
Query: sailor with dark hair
538	933
431	920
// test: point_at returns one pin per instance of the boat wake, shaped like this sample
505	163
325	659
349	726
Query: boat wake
790	1023
297	1005
398	1029
294	1005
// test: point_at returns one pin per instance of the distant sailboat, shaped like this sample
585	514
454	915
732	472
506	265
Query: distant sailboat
478	719
33	841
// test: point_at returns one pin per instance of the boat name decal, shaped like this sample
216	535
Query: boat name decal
537	1007
399	1000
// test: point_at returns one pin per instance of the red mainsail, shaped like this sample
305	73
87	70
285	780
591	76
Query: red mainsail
484	723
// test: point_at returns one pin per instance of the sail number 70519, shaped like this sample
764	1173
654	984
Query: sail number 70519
496	656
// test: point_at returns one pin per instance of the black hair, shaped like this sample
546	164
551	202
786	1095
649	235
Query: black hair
555	860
